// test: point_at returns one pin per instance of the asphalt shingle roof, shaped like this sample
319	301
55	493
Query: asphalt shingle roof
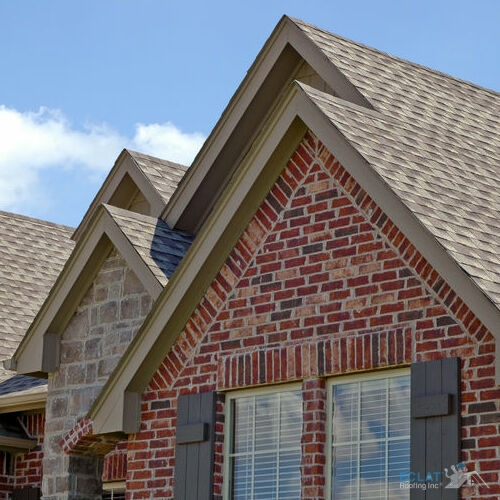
160	247
434	139
32	254
164	175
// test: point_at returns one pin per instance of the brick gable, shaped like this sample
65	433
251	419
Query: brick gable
321	283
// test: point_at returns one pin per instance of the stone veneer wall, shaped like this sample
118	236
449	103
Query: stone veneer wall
102	327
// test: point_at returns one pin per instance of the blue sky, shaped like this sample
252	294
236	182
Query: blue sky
82	80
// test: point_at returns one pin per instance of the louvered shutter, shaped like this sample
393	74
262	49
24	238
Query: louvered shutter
435	423
194	446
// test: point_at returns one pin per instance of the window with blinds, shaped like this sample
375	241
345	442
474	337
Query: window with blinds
370	433
264	454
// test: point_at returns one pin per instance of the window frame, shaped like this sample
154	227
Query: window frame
346	379
228	422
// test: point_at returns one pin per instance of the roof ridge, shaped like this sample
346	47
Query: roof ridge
134	153
300	23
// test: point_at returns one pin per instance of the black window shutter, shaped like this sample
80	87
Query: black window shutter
194	447
26	494
435	424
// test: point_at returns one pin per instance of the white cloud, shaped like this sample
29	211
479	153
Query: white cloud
35	146
167	141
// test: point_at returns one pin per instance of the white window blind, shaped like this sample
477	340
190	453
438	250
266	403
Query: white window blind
370	428
265	447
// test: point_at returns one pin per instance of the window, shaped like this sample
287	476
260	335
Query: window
114	490
370	436
264	449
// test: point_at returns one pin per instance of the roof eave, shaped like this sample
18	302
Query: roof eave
31	399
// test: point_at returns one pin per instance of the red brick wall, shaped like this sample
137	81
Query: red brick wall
27	467
320	283
24	469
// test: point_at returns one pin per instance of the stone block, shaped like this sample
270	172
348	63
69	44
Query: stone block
129	308
71	352
132	284
78	325
108	312
57	407
93	348
106	366
76	374
107	278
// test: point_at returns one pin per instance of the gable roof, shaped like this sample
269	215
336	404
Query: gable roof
136	174
150	248
418	141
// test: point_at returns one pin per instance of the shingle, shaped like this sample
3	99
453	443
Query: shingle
164	175
160	247
32	254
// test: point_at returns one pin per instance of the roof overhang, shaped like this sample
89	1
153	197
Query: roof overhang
118	406
31	399
102	235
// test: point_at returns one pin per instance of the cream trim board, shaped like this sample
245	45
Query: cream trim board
228	425
31	399
115	486
346	379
